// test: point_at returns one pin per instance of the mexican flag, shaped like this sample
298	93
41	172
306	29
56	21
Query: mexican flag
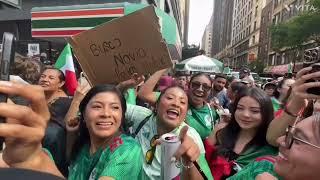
65	64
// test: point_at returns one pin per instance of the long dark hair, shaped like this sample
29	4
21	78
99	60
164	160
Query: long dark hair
227	137
83	136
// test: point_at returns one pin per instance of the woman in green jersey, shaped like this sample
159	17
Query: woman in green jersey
200	116
102	149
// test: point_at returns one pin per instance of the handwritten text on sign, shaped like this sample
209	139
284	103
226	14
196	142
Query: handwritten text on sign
112	52
124	62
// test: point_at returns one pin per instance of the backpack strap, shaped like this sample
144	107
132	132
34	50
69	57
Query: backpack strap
142	123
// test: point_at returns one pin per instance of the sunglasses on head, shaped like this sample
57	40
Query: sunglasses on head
197	85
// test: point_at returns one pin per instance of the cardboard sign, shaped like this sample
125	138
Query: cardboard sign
112	52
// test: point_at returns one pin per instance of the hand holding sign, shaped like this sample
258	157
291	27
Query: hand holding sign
112	52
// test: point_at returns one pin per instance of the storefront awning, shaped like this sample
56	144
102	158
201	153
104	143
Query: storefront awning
64	21
280	69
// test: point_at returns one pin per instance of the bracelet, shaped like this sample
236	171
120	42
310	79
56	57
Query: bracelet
187	166
286	110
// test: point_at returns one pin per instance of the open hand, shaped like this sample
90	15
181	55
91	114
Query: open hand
188	149
25	127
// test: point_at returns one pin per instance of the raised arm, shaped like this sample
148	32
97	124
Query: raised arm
146	90
71	116
297	102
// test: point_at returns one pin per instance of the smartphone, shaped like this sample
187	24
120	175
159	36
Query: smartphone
311	58
8	52
314	90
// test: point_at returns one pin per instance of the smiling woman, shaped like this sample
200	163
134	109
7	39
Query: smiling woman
200	115
234	146
52	81
169	116
298	155
102	150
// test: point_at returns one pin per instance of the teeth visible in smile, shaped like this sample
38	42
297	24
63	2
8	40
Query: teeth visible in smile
105	123
198	95
173	111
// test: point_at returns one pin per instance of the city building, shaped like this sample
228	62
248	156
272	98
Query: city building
266	22
29	29
279	62
206	42
246	31
222	38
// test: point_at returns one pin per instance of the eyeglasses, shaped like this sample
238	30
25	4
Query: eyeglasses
150	152
197	85
290	137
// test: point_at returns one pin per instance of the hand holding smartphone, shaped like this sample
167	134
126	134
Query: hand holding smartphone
8	52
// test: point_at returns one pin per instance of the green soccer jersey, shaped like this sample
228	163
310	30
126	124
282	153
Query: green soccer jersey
255	168
202	120
122	159
152	171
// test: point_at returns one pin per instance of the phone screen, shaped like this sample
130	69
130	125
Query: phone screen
8	52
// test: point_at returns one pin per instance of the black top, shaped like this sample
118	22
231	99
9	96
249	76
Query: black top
55	136
25	174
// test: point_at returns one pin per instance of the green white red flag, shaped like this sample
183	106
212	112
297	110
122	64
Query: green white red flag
66	65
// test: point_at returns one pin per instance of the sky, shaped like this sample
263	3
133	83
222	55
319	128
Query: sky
199	16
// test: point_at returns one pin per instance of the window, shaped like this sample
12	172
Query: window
253	39
256	12
255	25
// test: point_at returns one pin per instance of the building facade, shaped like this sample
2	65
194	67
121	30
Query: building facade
246	31
282	11
264	41
206	42
18	21
222	38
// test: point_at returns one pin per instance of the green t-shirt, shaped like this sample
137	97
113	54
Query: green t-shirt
130	96
252	170
122	159
202	120
137	114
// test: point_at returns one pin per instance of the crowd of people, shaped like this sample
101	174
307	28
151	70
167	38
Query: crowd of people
229	128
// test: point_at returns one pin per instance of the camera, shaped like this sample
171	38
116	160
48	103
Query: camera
312	58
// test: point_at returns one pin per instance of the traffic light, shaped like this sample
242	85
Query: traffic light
312	55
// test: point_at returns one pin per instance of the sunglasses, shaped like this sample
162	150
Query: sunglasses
197	85
150	152
290	138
